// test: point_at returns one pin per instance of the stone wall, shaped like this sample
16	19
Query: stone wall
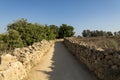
104	63
17	65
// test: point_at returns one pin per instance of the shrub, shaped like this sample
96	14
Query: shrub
14	40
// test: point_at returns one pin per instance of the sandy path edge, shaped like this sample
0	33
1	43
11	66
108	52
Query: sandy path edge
59	64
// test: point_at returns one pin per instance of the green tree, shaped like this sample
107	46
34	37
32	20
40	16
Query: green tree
96	33
29	32
18	25
3	44
49	32
65	31
115	34
14	39
55	30
32	33
109	33
87	33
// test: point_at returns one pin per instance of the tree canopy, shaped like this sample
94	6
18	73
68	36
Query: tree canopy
23	33
96	33
65	31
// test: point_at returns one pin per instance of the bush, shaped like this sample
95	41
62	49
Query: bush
22	33
14	40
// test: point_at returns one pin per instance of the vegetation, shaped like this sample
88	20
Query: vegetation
3	44
109	43
102	39
65	31
23	33
96	33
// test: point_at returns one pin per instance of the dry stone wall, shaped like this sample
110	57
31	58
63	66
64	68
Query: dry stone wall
104	63
17	65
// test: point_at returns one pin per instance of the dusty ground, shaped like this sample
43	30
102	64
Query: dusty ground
59	64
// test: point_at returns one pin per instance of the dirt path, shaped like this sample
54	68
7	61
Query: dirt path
59	64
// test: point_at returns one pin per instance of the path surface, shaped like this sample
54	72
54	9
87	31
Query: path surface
59	64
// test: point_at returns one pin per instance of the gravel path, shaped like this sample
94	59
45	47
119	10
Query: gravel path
59	64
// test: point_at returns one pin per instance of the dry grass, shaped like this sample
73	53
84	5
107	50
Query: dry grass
102	42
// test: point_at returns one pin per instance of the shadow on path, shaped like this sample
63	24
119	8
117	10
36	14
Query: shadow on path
65	66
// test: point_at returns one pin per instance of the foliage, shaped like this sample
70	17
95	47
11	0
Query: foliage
65	31
3	45
117	33
23	33
86	33
114	44
96	33
55	30
31	33
49	33
14	40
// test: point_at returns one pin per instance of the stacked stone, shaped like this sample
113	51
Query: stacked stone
15	66
104	63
